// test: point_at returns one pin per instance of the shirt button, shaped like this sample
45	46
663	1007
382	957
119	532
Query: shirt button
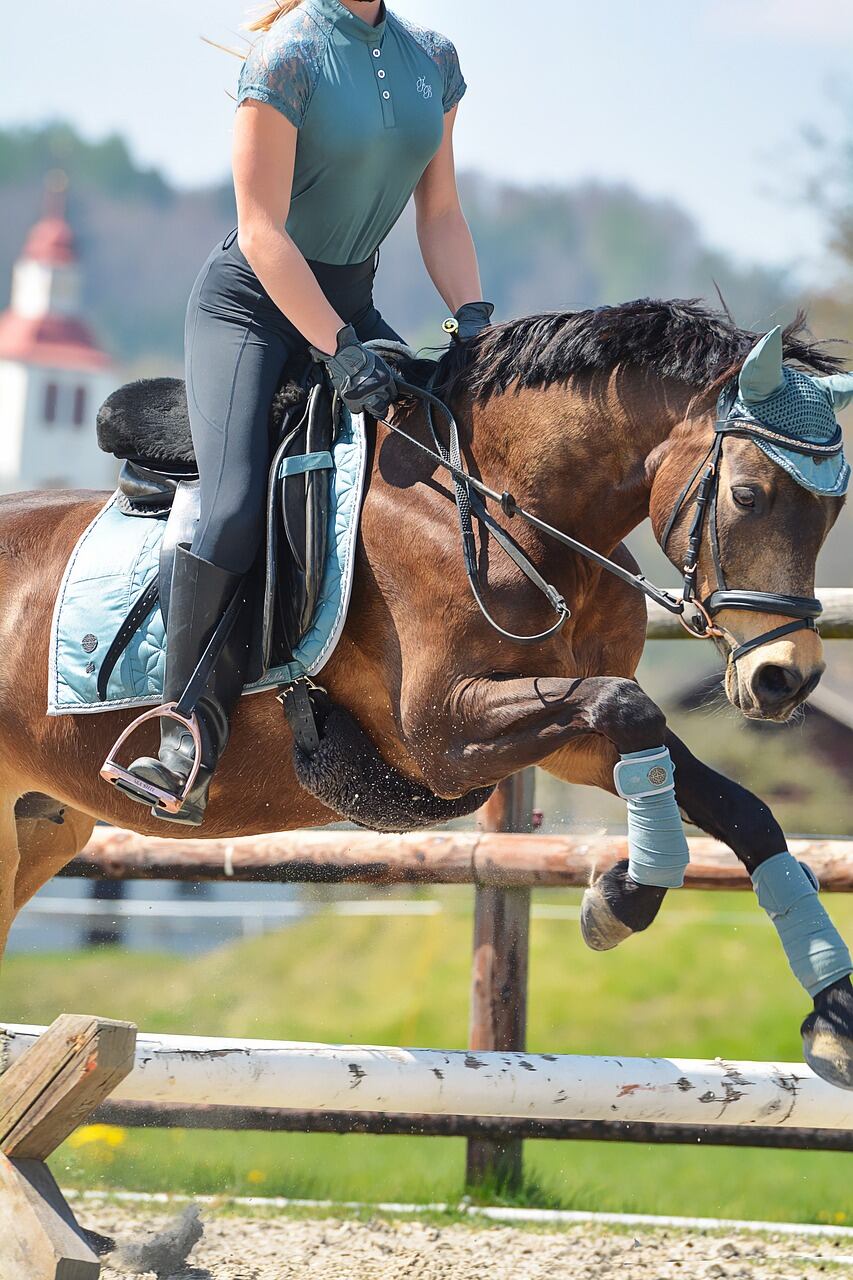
381	74
386	94
377	53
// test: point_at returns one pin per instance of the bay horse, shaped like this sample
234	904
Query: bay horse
595	420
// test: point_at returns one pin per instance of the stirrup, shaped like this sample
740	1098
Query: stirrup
122	778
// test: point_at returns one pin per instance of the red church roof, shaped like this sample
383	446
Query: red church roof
51	241
61	341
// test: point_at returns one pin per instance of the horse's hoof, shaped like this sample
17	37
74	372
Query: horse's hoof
601	929
616	906
828	1035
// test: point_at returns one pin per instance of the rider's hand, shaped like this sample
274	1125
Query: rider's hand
471	318
361	377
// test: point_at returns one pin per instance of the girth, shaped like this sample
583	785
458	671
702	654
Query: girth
803	610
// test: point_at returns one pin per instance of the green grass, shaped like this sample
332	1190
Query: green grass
700	983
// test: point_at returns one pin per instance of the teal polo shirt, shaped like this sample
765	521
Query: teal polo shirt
369	104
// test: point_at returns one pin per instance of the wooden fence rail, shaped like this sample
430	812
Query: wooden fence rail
486	859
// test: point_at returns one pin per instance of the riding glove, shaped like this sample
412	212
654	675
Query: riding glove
471	318
361	377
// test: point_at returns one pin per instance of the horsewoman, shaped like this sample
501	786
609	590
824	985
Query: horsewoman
344	111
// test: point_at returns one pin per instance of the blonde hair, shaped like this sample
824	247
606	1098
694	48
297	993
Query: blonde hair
261	24
267	19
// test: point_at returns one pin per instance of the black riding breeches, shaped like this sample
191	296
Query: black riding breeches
239	346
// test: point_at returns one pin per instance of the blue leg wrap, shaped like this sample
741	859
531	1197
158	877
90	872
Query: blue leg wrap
815	949
657	845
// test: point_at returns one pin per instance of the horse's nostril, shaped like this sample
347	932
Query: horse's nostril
774	683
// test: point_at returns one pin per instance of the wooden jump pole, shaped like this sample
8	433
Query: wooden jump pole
50	1086
193	1070
499	978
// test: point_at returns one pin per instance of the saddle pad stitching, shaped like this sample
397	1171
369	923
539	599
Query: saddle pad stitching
151	544
53	681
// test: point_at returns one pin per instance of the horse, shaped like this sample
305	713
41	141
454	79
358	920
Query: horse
595	420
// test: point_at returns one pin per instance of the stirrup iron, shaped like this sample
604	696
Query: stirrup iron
122	778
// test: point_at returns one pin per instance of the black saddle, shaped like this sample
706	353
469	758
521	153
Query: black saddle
146	425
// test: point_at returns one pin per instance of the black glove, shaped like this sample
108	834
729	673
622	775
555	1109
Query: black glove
361	377
471	318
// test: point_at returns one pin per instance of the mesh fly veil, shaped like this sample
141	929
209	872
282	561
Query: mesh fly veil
798	407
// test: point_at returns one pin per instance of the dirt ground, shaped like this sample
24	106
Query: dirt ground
283	1247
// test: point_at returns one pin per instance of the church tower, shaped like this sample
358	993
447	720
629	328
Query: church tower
53	374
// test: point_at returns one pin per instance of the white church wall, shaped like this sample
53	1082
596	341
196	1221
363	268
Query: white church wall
63	454
13	402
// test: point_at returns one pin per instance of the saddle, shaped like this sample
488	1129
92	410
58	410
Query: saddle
145	424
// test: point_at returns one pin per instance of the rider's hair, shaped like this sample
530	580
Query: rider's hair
267	19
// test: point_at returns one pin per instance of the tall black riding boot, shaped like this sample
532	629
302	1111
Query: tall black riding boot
199	597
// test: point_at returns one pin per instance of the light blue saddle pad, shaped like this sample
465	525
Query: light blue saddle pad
118	556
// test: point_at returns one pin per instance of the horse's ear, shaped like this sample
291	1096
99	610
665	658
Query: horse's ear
763	373
839	388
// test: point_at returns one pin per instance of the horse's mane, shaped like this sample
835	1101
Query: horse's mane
682	339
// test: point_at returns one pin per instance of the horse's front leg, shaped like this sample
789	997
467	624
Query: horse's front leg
817	954
492	727
619	903
487	727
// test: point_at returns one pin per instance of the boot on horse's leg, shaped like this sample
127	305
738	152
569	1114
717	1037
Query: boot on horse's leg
200	595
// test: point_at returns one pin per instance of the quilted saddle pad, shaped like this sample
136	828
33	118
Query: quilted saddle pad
118	555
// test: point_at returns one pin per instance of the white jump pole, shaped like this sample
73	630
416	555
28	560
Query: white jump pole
189	1071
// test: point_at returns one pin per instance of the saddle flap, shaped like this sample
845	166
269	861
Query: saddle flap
298	508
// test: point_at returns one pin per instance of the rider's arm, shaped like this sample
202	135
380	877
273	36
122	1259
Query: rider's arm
446	244
263	159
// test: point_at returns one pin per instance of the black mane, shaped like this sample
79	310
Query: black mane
685	340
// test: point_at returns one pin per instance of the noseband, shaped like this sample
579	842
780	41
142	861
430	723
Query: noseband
804	610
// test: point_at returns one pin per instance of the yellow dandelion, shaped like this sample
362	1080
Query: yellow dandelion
256	1175
108	1135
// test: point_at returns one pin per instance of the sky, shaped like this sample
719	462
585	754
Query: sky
699	101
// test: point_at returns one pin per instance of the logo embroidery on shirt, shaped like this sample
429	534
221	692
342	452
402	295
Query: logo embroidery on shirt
424	89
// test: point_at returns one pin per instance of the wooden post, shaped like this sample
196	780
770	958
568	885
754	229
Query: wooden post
44	1096
499	978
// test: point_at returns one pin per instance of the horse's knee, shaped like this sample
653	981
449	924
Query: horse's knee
632	721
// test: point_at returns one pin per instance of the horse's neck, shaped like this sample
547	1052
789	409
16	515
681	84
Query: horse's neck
579	453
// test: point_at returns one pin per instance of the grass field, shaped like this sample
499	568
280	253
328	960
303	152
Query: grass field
708	979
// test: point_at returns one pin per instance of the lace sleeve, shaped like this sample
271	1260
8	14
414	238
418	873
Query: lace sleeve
447	60
283	67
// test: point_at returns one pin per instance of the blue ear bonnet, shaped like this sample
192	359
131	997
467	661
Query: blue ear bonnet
801	410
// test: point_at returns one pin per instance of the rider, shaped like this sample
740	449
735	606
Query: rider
344	110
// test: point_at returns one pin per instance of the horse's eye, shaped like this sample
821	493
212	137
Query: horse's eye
743	495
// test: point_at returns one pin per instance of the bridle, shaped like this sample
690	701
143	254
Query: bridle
470	494
803	610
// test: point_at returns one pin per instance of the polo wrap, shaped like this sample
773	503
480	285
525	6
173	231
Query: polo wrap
657	846
788	892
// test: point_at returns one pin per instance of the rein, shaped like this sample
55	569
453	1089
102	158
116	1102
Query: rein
471	495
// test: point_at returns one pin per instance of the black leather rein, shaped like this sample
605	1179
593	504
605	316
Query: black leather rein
471	492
